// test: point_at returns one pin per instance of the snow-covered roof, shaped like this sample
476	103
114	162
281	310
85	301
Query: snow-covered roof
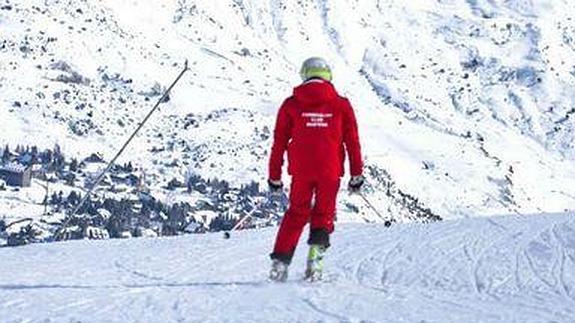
94	158
14	168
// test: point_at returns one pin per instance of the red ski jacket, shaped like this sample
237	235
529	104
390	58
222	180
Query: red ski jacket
316	126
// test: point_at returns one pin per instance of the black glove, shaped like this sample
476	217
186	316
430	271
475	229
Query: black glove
355	184
275	186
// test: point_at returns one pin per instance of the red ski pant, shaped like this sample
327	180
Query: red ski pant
303	208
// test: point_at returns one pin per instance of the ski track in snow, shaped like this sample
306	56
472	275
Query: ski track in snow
502	269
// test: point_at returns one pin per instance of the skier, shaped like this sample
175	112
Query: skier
316	126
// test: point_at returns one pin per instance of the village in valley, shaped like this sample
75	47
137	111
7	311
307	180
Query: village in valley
39	189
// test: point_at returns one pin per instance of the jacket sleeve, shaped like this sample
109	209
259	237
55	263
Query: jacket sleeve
351	140
282	136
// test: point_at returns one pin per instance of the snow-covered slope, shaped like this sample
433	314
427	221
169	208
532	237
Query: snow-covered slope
466	106
500	269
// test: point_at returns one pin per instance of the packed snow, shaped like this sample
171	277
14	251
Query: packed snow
498	269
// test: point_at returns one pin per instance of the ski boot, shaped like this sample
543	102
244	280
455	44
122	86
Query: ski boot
279	271
314	268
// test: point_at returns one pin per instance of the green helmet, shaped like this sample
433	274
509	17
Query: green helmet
315	67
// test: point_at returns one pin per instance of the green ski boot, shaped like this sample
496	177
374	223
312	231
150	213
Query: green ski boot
314	268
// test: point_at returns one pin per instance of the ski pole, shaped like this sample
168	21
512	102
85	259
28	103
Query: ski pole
111	163
227	234
386	222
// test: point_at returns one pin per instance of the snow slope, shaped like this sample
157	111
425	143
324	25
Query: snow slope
465	105
499	269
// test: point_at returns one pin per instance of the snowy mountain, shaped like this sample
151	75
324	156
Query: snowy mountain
465	107
498	269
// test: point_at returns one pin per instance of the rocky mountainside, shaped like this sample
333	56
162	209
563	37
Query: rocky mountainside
466	108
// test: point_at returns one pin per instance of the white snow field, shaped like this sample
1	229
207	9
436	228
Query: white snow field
499	269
